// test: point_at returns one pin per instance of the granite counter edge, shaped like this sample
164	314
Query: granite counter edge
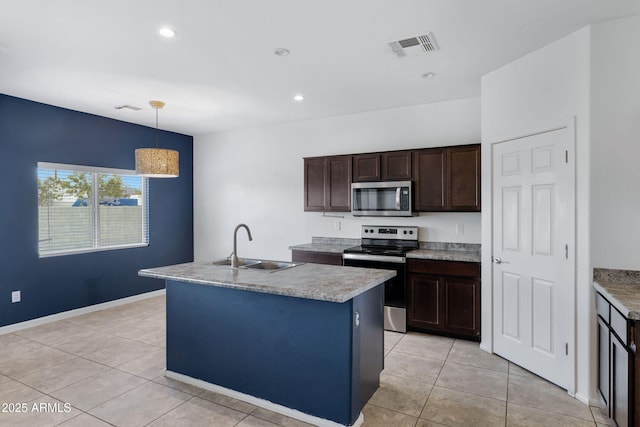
601	287
444	255
319	296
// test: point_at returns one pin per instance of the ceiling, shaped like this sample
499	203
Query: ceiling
220	72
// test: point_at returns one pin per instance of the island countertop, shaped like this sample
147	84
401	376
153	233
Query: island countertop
310	281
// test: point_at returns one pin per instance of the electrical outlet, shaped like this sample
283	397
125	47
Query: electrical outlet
337	225
459	228
15	296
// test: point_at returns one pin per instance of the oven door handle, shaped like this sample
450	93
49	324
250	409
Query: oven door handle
379	258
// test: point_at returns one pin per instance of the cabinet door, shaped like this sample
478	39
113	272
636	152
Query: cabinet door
463	178
396	165
620	370
314	184
338	184
423	308
603	361
366	167
462	305
430	176
327	184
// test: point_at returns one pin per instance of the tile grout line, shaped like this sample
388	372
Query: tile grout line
436	380
75	356
506	402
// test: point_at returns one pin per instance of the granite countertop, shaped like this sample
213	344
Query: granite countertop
322	247
442	251
311	281
445	255
621	288
327	245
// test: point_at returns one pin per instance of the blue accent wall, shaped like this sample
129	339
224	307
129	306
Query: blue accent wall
31	132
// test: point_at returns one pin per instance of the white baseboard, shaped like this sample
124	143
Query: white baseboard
270	406
485	348
77	312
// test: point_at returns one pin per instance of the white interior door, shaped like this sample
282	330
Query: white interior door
533	246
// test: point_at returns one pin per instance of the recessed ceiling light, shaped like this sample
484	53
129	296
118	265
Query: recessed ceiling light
428	75
281	51
298	98
167	32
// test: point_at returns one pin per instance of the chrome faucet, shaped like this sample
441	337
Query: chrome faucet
234	255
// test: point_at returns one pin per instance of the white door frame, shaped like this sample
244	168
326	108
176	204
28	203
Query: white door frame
487	237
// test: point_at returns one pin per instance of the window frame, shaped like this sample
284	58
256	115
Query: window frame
95	199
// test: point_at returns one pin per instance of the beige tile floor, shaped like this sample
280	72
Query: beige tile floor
107	368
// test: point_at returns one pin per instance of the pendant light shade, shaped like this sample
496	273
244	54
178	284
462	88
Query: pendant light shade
157	162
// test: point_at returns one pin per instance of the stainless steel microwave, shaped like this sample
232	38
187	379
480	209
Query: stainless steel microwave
392	198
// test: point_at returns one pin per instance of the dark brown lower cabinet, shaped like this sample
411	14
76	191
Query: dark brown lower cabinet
330	258
618	363
444	297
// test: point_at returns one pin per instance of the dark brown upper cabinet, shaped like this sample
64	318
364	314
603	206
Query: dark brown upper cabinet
387	166
447	179
314	183
430	179
396	165
327	184
463	164
366	167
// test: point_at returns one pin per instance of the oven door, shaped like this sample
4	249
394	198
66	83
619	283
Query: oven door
395	289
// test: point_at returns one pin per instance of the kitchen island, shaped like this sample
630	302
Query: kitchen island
305	341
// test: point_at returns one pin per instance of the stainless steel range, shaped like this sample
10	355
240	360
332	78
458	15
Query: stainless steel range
385	247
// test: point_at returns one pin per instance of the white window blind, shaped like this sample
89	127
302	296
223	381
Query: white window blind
86	209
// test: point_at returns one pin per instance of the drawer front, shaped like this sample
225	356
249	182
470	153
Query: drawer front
316	257
602	307
619	325
446	268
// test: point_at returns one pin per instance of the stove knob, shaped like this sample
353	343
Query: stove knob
366	231
404	232
411	232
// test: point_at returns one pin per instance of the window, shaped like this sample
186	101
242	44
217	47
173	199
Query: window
86	209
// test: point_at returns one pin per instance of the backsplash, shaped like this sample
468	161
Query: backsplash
335	241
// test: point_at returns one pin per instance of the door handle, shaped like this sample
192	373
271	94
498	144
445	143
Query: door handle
499	260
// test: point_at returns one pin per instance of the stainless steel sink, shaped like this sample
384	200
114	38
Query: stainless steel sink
272	265
242	262
258	264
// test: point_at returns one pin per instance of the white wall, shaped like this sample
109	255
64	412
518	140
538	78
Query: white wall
255	176
615	144
542	90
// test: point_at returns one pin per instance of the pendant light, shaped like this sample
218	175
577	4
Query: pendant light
157	162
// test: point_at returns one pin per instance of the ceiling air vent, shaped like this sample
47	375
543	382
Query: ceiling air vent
127	107
414	46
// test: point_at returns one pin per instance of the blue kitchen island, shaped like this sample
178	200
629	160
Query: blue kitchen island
305	341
